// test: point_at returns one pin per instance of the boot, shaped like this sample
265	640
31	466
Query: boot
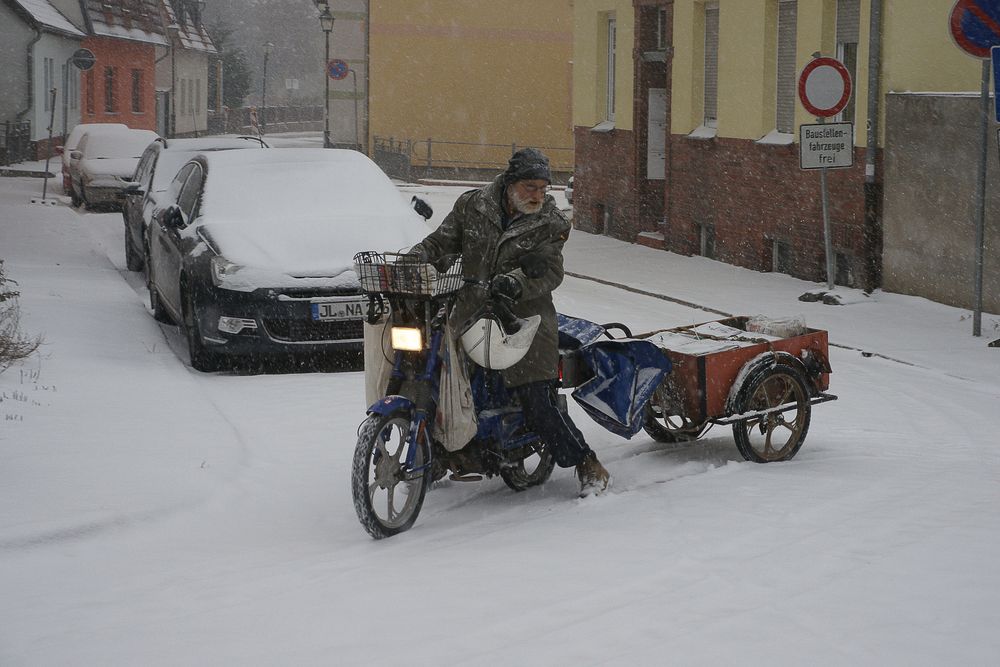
594	478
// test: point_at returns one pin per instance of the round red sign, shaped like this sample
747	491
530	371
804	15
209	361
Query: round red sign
824	87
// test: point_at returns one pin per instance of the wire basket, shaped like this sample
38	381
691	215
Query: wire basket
405	275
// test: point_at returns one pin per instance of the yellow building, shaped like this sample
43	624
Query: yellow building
728	168
464	83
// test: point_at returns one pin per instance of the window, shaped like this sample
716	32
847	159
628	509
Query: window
109	90
137	90
197	95
661	29
183	104
786	84
89	83
706	240
610	97
711	65
848	21
188	196
74	87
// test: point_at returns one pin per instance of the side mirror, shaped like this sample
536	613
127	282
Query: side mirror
422	208
75	155
172	217
134	189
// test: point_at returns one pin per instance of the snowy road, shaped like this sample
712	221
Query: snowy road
153	515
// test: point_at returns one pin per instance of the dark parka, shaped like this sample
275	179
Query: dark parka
474	228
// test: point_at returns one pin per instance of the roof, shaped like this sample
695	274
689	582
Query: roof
136	20
48	17
191	33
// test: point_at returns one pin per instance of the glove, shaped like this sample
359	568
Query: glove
533	264
418	253
506	287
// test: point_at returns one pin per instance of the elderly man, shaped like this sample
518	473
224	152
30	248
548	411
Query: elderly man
510	235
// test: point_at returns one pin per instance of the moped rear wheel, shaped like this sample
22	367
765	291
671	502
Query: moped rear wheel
388	497
530	471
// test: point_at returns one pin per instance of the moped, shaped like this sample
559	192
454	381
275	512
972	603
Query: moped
399	452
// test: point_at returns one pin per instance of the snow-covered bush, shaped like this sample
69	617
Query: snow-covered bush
14	344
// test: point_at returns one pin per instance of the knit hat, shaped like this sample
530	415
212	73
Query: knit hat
527	164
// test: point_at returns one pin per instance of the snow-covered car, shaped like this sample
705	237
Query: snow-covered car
157	167
253	251
71	143
569	190
103	164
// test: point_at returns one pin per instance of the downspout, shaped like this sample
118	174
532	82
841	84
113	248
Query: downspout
31	74
873	189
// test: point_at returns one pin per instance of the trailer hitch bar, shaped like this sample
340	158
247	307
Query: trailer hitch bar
786	407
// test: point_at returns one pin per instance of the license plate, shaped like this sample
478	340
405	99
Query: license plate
325	311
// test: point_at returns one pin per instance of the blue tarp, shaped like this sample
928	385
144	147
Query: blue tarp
626	373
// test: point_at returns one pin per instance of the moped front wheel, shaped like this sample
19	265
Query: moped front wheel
388	494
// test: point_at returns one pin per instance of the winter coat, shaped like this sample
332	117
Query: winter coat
474	229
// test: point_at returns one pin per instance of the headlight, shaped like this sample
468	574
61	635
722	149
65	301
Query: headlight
407	339
223	270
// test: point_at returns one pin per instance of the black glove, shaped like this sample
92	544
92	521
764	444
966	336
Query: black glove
418	253
533	264
506	287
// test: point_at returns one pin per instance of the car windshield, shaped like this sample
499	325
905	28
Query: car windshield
117	144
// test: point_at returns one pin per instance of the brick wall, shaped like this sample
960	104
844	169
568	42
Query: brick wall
751	195
124	56
604	189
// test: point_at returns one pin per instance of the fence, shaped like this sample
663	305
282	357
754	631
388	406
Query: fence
15	143
277	119
439	158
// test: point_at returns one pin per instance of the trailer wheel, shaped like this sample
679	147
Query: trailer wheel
665	418
779	435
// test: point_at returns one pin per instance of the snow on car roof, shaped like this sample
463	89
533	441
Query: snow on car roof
211	143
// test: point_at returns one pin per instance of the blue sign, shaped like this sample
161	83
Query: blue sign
337	69
975	26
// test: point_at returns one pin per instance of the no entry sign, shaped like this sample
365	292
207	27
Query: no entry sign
975	26
824	87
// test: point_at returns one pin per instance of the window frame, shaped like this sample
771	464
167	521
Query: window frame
110	99
707	121
612	29
785	76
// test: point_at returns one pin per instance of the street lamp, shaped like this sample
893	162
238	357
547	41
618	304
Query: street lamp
263	100
326	23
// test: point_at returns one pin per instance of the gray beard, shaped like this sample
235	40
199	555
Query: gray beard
522	205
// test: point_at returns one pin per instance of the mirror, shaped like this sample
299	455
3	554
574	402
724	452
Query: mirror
76	155
133	189
172	217
422	208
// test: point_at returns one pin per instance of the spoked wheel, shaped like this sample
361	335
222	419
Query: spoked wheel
779	435
530	471
665	418
388	497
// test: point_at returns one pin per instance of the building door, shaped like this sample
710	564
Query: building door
656	135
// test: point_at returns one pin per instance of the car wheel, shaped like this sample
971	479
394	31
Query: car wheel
133	259
202	359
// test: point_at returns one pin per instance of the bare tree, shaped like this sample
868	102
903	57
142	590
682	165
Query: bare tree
14	344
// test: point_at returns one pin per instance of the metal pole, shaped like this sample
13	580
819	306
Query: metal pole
326	73
977	313
48	152
357	132
263	96
872	189
827	237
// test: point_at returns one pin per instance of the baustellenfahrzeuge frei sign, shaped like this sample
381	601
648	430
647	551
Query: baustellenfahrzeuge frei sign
829	145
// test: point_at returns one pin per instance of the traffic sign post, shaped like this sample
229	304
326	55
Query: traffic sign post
824	90
975	27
